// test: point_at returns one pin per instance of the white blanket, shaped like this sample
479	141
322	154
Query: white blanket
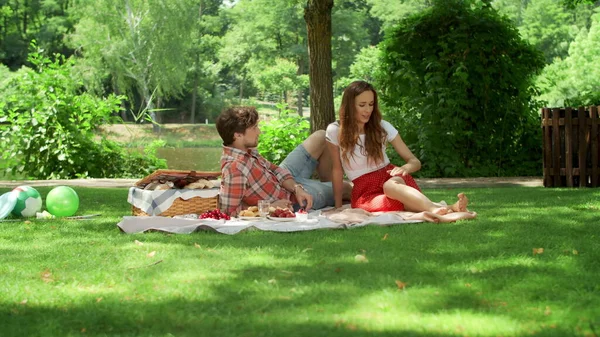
348	218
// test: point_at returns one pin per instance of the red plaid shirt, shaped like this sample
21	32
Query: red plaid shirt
247	177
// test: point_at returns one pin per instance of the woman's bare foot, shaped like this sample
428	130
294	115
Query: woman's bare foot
441	210
461	204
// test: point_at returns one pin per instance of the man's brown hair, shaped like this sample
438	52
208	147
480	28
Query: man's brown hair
235	119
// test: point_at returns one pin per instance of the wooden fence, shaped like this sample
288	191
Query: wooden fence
571	147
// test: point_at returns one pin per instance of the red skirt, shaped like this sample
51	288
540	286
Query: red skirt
367	192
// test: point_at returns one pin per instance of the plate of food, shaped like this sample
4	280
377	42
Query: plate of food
249	214
274	218
241	217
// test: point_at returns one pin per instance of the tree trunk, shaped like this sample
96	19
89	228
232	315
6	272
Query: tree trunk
317	15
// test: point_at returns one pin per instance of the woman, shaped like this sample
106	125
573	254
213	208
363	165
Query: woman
357	145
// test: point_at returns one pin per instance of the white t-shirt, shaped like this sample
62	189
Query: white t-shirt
358	163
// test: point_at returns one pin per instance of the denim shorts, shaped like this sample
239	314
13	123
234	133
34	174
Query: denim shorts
301	165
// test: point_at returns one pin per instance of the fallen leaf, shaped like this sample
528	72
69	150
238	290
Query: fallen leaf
361	258
46	276
401	285
338	269
138	243
99	299
272	281
538	251
575	252
27	222
351	327
548	311
385	237
23	302
83	330
151	254
306	250
468	285
196	245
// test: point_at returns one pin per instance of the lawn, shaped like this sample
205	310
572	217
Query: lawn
529	265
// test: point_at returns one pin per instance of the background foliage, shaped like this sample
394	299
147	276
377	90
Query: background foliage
460	77
280	135
185	60
47	127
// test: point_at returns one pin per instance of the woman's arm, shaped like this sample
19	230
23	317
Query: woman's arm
412	163
337	179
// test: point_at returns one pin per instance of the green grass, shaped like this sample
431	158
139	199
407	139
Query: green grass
471	278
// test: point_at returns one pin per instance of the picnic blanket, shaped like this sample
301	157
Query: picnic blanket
343	219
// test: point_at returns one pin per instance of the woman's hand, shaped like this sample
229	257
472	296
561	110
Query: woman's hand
400	171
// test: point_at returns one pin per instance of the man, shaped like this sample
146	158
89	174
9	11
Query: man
247	177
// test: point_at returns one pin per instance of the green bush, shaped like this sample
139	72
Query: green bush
459	79
46	127
280	136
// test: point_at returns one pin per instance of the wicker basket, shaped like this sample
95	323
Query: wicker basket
195	205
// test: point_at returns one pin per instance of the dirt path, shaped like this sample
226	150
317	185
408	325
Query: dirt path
423	183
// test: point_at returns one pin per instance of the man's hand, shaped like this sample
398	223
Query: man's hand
304	199
283	203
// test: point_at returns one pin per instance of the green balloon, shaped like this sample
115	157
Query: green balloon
62	201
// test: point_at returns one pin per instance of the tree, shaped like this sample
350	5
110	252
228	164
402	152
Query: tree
143	45
22	21
575	80
461	77
317	15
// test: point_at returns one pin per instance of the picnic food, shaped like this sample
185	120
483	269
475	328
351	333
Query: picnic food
202	183
282	213
252	211
215	214
161	184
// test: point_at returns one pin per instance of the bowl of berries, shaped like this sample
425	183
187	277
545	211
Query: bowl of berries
301	215
281	214
215	214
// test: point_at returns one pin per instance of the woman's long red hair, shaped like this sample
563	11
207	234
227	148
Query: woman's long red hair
349	134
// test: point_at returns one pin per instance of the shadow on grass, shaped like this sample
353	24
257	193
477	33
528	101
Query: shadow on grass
309	284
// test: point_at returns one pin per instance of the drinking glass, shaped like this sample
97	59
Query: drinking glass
263	208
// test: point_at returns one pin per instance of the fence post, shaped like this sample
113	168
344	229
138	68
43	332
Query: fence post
594	140
556	146
582	147
569	146
547	147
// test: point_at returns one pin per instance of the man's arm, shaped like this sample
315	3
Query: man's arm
281	173
233	187
305	200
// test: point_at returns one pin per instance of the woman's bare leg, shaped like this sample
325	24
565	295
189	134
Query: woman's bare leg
413	200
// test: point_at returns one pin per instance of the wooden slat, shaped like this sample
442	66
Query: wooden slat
547	147
556	147
568	146
582	147
594	141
